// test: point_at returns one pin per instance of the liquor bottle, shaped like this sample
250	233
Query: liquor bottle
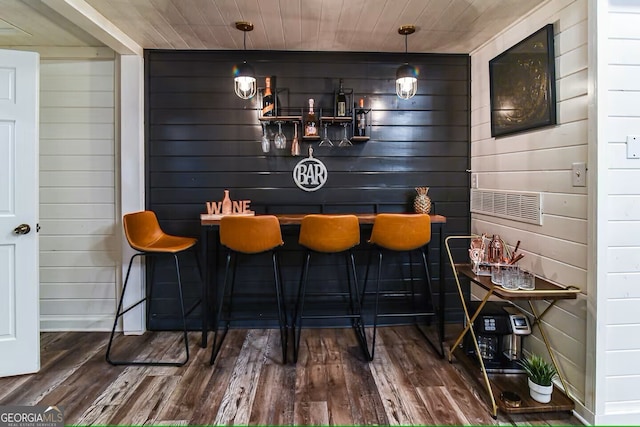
310	122
361	117
341	102
496	251
267	99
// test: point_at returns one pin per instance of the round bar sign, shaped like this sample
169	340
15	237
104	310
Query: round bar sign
310	174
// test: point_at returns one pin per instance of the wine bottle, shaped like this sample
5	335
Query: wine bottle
267	99
310	121
341	102
361	116
277	111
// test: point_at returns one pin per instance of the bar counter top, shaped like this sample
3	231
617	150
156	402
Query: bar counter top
295	219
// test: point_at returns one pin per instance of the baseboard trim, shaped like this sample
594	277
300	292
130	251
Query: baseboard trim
628	418
76	323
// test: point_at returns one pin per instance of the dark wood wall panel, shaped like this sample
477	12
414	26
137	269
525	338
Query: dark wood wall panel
202	139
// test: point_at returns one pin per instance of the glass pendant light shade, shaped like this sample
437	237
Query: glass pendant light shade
407	75
406	81
244	78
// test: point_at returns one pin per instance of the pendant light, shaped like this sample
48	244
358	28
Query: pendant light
244	77
407	75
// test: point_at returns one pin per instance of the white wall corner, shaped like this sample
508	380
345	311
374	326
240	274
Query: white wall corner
132	185
582	413
598	206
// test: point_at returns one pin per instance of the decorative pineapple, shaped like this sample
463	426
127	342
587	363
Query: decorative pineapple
422	202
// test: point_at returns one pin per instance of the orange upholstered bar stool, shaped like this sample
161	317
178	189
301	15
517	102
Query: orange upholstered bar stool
329	234
402	233
244	236
144	234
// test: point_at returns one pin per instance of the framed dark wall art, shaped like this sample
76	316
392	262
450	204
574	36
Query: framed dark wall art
523	85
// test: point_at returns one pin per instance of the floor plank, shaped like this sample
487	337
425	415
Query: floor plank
442	408
406	383
186	396
339	402
401	401
211	399
274	400
235	407
146	401
69	361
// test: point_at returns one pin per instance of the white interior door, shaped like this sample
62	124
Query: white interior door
19	283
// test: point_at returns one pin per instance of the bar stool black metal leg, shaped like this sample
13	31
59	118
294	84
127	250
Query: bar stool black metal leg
355	306
234	269
216	346
119	312
413	289
297	323
182	312
148	294
202	301
431	301
281	314
205	288
352	306
357	319
366	277
151	280
376	306
284	305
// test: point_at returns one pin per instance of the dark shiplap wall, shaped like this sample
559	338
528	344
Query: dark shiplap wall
202	139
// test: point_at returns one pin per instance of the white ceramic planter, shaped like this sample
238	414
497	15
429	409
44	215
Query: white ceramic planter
540	393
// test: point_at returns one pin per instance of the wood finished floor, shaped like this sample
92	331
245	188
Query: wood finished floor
406	384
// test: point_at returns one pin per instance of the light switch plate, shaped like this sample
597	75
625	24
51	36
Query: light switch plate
579	174
633	146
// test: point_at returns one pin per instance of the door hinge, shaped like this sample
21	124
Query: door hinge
37	227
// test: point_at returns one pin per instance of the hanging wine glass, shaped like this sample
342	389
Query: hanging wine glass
325	137
295	144
280	140
345	141
264	142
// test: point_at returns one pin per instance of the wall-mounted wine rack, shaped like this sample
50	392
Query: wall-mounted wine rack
296	114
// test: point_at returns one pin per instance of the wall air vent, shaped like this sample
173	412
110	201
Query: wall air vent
514	205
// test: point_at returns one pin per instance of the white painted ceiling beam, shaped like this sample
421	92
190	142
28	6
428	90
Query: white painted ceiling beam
94	23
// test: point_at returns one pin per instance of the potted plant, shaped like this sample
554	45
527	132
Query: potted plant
540	377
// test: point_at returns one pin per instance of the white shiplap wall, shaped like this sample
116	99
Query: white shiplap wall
540	161
79	246
620	394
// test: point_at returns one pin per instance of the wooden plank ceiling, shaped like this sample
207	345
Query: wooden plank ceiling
443	26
